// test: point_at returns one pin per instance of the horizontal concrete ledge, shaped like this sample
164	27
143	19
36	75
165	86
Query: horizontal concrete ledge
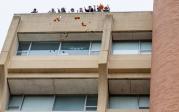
128	110
53	70
136	63
53	64
130	70
129	76
52	75
52	86
20	14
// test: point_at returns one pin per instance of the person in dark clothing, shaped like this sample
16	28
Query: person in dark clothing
34	11
63	10
72	10
52	11
59	11
90	9
81	10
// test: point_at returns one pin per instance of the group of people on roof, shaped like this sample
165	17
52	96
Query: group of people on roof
100	8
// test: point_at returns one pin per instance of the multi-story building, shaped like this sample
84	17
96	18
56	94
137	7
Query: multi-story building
91	62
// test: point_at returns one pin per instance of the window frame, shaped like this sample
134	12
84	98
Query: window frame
58	50
53	102
138	100
139	50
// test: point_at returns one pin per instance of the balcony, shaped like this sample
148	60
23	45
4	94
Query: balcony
53	64
134	63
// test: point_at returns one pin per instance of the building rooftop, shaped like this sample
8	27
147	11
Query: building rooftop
79	22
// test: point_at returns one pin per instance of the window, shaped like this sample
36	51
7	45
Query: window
58	48
37	103
145	47
15	103
44	48
144	102
53	103
95	48
91	103
23	48
132	47
75	48
129	102
125	47
69	103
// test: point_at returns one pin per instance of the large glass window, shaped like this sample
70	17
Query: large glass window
129	102
58	48
69	103
143	102
15	103
75	48
53	103
95	48
37	103
132	47
125	47
44	48
145	47
91	103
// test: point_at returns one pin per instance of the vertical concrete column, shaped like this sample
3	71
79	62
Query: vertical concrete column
4	59
165	57
103	64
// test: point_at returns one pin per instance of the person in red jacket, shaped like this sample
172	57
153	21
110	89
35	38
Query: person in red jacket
106	9
100	8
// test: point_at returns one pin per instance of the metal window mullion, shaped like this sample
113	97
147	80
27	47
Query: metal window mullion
138	98
90	48
85	103
17	49
29	48
59	49
139	47
54	98
23	97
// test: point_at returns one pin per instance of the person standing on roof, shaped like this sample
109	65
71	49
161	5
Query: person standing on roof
90	9
100	8
59	11
52	11
72	10
106	8
34	11
63	10
81	10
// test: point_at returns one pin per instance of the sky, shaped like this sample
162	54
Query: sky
10	7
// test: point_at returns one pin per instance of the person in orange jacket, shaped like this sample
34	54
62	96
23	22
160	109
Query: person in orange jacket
100	8
106	9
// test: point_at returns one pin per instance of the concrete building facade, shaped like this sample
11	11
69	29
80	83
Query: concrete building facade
91	62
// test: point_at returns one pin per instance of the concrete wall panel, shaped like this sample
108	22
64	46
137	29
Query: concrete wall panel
129	63
47	86
31	86
127	21
128	87
76	86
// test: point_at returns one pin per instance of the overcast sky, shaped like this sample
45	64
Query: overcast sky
9	7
